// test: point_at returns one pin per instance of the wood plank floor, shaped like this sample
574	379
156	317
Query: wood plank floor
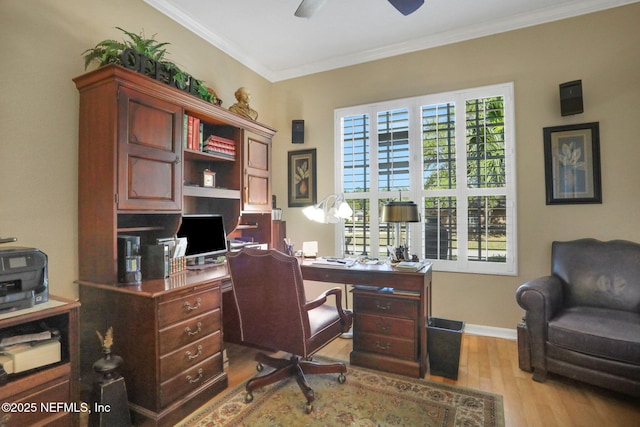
491	364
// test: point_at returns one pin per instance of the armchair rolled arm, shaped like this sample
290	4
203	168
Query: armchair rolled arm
345	317
541	298
543	295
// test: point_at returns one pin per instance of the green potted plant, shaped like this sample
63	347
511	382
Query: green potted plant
128	53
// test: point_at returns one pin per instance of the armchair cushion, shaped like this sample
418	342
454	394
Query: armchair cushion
600	332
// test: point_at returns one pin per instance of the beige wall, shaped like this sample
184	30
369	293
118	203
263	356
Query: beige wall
601	49
42	42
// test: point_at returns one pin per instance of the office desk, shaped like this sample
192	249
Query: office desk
390	329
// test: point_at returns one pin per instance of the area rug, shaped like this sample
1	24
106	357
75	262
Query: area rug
368	398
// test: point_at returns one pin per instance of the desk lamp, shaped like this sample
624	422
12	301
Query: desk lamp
400	213
330	210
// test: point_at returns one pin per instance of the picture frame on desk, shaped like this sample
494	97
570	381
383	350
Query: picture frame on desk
302	185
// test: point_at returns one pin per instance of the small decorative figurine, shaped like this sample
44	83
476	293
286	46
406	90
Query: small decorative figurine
243	96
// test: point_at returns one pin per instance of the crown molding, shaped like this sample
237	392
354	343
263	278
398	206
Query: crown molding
542	16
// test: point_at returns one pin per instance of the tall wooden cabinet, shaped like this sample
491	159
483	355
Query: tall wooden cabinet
137	177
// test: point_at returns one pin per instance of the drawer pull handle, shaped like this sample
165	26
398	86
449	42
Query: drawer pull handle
385	307
383	326
190	307
192	380
385	347
197	331
194	356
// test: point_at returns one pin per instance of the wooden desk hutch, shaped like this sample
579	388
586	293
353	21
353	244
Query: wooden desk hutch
137	178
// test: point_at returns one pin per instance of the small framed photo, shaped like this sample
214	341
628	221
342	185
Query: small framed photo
208	178
572	164
302	178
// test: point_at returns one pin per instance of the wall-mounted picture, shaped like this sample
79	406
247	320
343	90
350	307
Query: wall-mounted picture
302	178
572	164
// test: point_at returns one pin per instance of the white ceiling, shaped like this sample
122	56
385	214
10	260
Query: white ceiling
265	36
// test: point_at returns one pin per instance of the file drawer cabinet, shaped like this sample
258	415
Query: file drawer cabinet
386	331
390	328
169	333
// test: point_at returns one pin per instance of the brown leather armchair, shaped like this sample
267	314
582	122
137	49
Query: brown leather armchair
583	320
275	316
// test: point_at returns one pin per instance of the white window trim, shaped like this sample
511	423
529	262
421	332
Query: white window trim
461	192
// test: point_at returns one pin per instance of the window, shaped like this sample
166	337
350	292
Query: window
454	155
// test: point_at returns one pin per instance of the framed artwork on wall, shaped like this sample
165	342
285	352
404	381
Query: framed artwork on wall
572	164
302	178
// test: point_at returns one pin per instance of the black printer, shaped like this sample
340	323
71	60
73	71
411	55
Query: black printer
23	278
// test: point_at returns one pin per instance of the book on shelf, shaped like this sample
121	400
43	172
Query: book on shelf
193	133
185	131
200	135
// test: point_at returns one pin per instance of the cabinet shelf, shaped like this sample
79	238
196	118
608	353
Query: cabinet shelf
134	229
202	156
247	227
212	193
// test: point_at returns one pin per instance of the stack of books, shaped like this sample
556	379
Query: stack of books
409	266
218	145
193	131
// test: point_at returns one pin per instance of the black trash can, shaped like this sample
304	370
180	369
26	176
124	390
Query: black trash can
444	340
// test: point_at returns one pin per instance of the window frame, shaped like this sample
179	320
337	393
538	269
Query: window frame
417	193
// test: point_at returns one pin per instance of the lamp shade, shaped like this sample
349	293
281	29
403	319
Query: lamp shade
400	212
330	210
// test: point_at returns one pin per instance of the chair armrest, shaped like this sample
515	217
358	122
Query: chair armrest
345	316
542	298
543	295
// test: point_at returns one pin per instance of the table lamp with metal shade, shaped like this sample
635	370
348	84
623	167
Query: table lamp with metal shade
399	213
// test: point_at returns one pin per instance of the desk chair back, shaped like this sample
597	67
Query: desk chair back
269	294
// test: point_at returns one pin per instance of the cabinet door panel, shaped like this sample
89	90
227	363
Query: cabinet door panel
258	191
257	174
258	154
149	153
150	126
149	179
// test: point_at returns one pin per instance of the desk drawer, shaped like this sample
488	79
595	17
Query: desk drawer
386	305
383	344
188	306
189	355
386	325
189	331
52	393
190	379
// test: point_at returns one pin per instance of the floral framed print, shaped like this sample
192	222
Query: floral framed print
302	178
572	164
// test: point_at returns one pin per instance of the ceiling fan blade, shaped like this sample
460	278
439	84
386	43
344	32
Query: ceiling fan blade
407	7
308	8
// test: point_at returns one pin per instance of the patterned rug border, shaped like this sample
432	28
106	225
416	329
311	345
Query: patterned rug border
201	413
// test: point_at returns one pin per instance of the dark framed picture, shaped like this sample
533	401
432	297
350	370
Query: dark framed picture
302	178
572	164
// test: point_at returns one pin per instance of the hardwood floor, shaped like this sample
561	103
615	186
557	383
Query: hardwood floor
491	364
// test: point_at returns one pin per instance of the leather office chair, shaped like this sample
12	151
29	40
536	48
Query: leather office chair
275	316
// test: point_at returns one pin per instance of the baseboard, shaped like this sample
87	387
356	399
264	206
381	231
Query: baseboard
490	331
